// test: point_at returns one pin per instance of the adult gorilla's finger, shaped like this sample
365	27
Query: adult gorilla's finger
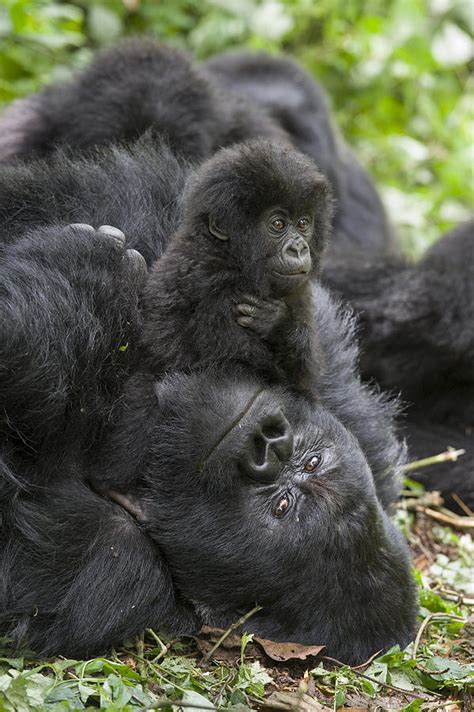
112	231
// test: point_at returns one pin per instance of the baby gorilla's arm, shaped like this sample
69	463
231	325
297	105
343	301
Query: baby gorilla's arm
264	317
293	342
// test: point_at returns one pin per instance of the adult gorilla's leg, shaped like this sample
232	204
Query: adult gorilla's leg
68	321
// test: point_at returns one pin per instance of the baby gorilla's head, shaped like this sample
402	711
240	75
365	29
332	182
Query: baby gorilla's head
270	500
263	208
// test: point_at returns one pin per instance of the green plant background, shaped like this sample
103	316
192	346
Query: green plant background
397	72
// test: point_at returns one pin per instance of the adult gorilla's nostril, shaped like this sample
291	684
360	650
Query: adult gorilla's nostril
277	432
271	444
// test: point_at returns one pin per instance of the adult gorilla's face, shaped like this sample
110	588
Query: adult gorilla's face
270	500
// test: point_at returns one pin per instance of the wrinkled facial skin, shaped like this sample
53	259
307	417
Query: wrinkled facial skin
277	242
290	264
276	506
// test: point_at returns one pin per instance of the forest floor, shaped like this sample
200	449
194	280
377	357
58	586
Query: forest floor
222	670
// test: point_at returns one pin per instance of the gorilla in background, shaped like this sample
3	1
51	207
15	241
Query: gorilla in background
140	85
416	324
127	502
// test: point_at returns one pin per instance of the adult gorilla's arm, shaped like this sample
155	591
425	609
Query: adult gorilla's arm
68	321
94	578
366	412
79	574
137	189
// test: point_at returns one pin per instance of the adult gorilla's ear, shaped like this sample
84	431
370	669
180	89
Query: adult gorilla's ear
215	230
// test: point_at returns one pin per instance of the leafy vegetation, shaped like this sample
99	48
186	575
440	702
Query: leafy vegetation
435	672
398	75
397	71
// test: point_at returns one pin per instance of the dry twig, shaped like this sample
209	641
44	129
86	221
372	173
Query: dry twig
230	630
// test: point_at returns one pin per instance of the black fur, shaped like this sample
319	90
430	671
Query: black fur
127	90
140	85
417	331
197	537
298	104
199	291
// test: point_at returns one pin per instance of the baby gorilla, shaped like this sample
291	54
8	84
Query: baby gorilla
256	221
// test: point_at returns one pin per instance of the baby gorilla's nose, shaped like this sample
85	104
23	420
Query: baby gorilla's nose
298	248
270	444
296	256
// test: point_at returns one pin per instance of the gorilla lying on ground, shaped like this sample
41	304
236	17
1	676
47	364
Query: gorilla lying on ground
128	502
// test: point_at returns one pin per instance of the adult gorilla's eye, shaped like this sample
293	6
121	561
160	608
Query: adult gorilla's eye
278	224
280	509
303	224
311	464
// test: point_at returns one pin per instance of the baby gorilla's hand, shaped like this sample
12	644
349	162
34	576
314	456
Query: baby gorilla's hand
260	315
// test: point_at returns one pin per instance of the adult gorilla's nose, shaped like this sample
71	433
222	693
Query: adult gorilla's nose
269	445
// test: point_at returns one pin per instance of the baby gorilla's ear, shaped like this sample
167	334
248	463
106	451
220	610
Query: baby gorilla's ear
216	230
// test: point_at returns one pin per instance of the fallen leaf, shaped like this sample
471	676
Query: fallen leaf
288	651
295	701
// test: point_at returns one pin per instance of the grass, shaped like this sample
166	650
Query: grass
435	672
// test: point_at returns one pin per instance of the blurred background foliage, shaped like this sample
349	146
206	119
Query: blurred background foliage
398	73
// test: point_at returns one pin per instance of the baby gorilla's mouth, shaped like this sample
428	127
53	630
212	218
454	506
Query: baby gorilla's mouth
300	273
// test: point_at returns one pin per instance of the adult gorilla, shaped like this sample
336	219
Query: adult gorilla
128	502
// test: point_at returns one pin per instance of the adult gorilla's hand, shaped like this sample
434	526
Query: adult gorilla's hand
68	305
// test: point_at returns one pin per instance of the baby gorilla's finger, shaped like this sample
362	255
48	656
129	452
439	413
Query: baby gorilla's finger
245	321
111	231
247	309
81	226
254	301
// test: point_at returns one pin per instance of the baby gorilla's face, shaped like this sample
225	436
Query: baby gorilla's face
270	500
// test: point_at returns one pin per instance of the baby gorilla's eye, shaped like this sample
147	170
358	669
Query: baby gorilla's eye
278	224
311	464
303	224
280	509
